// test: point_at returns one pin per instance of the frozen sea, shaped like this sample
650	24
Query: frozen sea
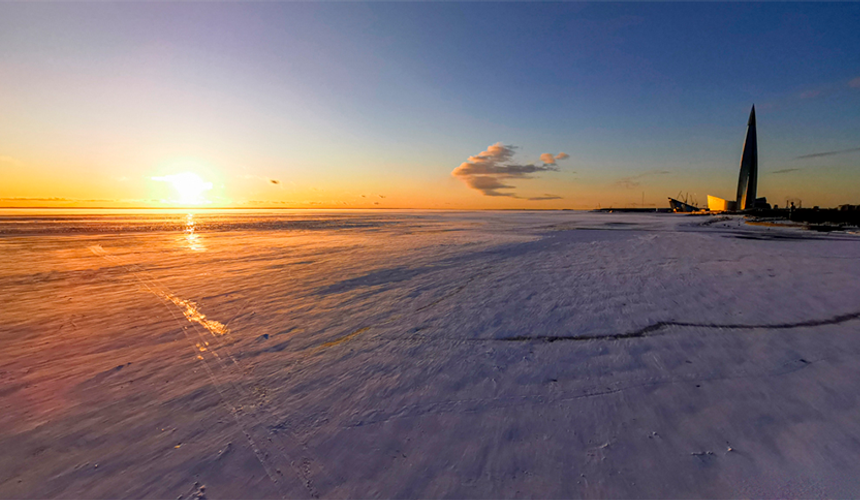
421	354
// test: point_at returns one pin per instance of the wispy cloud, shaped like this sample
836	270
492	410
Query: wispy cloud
545	197
45	199
69	200
828	153
784	171
833	88
636	180
489	171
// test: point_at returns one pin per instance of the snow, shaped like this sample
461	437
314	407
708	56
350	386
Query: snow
426	354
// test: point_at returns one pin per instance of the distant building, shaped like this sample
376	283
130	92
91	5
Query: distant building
748	178
682	206
720	205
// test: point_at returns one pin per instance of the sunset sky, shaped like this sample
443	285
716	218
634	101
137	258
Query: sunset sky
391	105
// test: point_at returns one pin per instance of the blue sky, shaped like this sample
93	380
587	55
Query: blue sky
349	98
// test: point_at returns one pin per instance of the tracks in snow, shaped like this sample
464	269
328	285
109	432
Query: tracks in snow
276	452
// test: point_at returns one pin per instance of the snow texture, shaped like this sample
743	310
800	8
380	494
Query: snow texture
426	354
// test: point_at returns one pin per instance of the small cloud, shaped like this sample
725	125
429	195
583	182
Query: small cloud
45	199
550	159
834	88
828	153
380	196
785	171
636	180
545	197
274	181
487	171
488	185
376	203
627	182
363	196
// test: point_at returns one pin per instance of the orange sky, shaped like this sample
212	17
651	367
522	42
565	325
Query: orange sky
56	183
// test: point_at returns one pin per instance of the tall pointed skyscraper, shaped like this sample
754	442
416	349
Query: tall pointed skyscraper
749	167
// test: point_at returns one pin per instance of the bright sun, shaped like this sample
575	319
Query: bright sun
189	186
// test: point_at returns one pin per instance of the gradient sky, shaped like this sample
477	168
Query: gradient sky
375	105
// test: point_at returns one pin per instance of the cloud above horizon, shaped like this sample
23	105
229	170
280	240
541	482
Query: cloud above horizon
547	158
821	91
784	171
45	199
636	180
72	200
828	153
489	171
546	196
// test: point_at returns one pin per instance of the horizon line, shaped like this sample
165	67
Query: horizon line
302	208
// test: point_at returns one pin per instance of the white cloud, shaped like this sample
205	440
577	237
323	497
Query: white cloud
488	171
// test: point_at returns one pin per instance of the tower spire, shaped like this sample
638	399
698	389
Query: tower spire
748	180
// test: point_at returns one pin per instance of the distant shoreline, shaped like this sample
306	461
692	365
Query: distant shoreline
329	208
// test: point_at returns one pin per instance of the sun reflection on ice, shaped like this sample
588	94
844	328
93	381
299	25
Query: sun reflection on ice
192	239
192	314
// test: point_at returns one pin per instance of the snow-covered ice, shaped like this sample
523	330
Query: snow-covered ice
426	354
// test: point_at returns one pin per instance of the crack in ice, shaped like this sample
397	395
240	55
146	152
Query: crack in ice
648	330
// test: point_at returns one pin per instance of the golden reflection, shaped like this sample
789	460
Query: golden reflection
343	339
192	239
189	309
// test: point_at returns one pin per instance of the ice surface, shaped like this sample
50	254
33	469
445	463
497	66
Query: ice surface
425	354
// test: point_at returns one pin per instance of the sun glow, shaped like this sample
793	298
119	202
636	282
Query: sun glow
189	186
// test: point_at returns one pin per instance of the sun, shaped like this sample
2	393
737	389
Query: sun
189	186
